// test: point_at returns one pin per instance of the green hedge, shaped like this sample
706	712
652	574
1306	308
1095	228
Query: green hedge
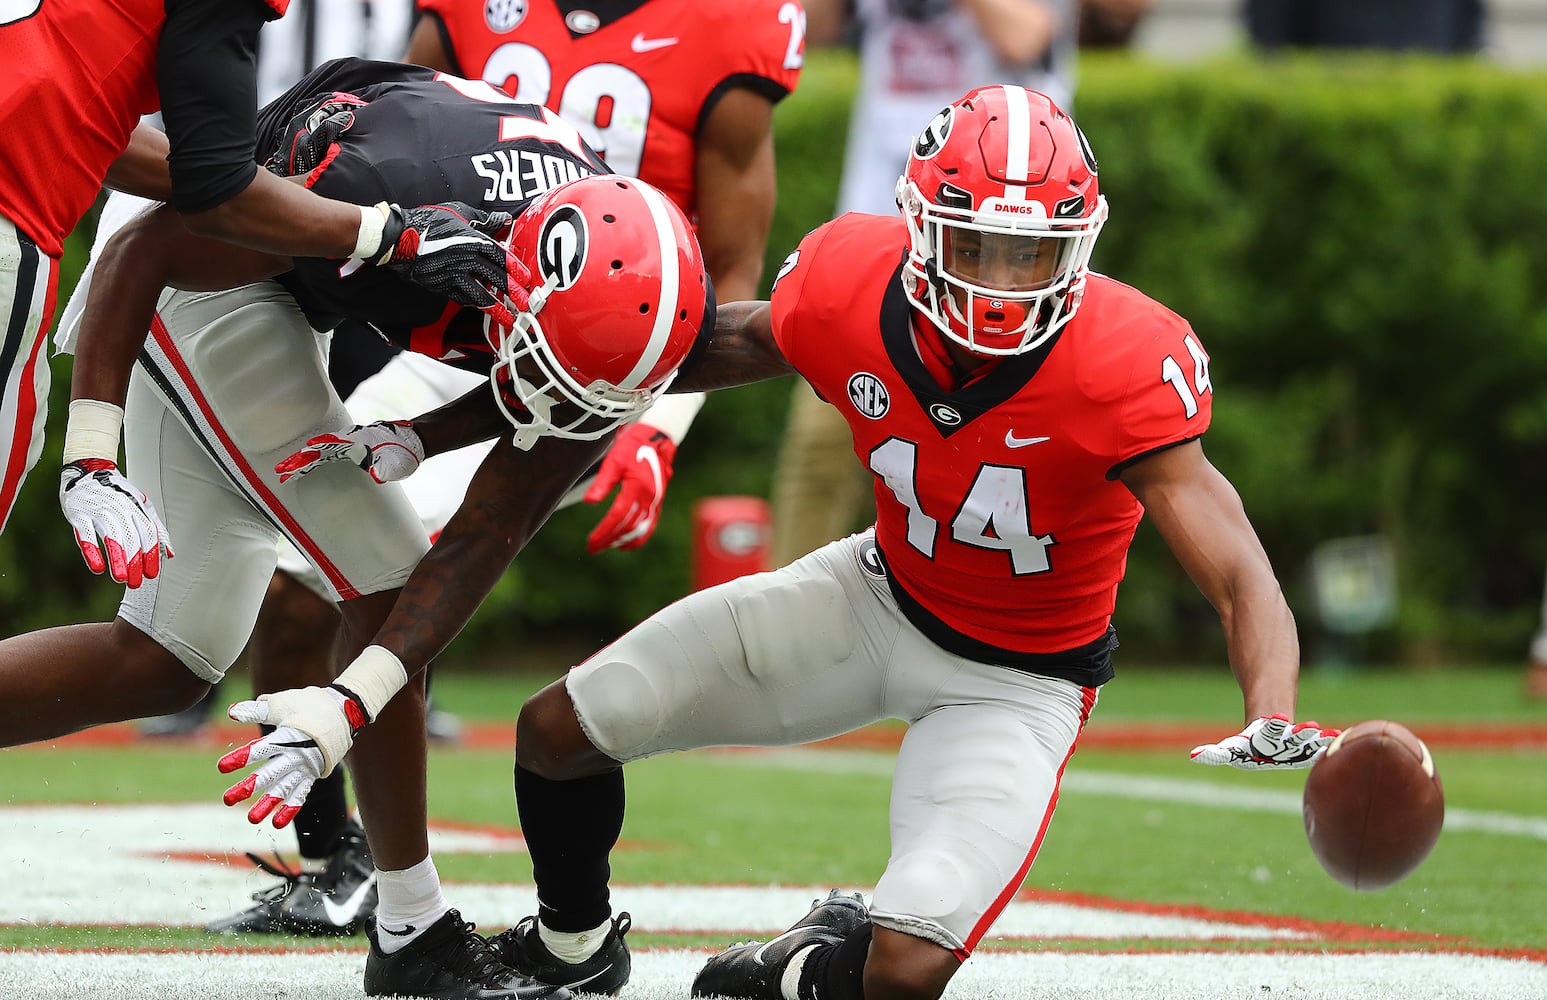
1359	244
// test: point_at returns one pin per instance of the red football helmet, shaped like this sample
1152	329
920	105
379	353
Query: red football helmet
1002	208
620	297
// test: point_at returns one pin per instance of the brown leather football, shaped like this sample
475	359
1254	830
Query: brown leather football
1373	805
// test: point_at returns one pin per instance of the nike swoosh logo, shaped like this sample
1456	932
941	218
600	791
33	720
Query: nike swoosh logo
1011	441
350	909
639	43
429	245
757	956
577	984
647	455
407	930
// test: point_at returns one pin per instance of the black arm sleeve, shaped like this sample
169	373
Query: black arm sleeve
207	76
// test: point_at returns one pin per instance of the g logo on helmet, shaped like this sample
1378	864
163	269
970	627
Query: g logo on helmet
932	139
561	247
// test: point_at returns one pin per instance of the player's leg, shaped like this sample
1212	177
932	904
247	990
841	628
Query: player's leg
773	659
175	634
246	373
62	680
28	281
973	792
294	644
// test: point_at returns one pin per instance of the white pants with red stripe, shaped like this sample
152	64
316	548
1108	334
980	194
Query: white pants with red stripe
28	279
229	383
817	649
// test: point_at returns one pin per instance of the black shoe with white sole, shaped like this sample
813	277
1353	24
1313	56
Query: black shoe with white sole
753	971
449	961
606	971
339	899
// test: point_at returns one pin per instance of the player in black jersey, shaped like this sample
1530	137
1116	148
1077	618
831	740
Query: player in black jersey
229	383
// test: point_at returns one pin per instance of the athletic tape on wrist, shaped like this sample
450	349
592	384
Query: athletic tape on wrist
373	220
92	430
375	676
673	414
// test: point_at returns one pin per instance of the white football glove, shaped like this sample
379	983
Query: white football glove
1269	743
315	727
389	450
100	503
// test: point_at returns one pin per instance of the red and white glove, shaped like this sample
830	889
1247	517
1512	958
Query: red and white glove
639	464
450	250
389	450
1269	743
315	727
100	503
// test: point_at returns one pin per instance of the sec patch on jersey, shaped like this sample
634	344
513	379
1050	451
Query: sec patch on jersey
1373	805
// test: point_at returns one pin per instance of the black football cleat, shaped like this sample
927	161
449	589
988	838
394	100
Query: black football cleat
337	900
753	971
449	961
604	972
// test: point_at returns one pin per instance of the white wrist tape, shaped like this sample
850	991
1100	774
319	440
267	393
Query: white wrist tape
373	220
673	414
92	430
375	676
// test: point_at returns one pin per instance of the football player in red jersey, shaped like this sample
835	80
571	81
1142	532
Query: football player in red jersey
1020	414
678	94
230	384
195	61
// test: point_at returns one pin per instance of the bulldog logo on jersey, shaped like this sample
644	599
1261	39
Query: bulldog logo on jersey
503	15
869	395
932	139
561	247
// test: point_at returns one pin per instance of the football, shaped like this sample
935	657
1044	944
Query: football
1373	805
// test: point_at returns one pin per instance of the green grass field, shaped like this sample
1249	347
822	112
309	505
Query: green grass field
720	818
1141	830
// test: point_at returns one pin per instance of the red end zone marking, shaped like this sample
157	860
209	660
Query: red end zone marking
882	736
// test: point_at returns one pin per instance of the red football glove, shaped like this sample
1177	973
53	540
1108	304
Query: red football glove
639	463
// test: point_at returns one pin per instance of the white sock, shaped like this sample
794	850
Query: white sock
574	948
409	901
789	983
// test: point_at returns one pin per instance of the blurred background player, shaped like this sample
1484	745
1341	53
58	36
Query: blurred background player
1019	415
80	76
915	57
676	93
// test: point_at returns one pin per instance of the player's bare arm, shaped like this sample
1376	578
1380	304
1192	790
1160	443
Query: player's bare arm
742	351
509	498
736	191
142	167
1200	516
466	420
152	252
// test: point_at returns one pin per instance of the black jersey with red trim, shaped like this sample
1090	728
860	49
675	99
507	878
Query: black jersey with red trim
637	77
419	137
1000	516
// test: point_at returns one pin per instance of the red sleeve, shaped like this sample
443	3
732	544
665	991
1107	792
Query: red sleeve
1169	398
790	292
770	49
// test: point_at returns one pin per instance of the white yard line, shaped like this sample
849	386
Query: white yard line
1180	791
667	975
